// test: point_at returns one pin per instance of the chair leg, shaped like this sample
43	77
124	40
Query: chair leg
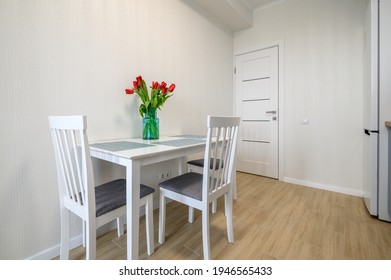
162	219
91	240
84	233
191	215
149	225
235	195
214	206
228	214
120	226
64	249
191	209
205	233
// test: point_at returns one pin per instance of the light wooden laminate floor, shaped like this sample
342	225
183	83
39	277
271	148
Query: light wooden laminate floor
272	220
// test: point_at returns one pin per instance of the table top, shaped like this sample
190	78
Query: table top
137	147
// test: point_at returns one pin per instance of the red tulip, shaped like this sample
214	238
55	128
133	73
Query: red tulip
129	91
163	87
155	85
171	88
136	85
139	80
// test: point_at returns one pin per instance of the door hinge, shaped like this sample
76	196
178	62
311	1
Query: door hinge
234	70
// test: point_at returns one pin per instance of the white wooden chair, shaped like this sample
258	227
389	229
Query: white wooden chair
96	206
197	165
199	190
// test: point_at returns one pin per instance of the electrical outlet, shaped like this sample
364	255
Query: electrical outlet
168	174
164	175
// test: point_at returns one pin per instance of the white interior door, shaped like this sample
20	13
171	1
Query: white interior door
257	104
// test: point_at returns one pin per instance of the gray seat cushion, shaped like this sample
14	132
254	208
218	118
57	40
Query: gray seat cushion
189	184
200	163
112	195
145	190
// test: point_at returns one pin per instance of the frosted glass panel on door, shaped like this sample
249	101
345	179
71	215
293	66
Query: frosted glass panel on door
255	110
256	89
256	131
257	68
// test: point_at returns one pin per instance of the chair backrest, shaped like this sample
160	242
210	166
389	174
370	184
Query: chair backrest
73	161
220	155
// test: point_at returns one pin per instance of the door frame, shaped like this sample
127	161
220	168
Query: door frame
281	97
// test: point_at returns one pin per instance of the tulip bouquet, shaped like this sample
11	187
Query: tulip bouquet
150	102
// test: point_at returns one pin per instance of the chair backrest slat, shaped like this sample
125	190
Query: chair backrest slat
219	153
70	150
60	160
228	146
71	146
79	184
213	155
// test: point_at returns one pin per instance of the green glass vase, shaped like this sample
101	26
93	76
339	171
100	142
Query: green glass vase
151	125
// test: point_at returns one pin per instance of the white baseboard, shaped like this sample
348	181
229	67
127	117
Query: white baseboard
76	241
53	252
323	186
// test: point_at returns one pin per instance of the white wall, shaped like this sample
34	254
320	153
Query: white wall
77	57
323	82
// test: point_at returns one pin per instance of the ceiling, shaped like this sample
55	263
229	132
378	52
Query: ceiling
236	15
253	4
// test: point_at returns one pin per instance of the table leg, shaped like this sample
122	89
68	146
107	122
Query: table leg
180	163
133	209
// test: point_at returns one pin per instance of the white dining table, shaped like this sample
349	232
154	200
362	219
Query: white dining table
135	153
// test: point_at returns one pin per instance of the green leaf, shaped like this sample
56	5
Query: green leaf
154	103
142	110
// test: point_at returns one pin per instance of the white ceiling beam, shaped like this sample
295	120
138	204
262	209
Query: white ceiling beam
233	14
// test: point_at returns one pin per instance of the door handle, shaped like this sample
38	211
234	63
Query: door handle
368	132
271	112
